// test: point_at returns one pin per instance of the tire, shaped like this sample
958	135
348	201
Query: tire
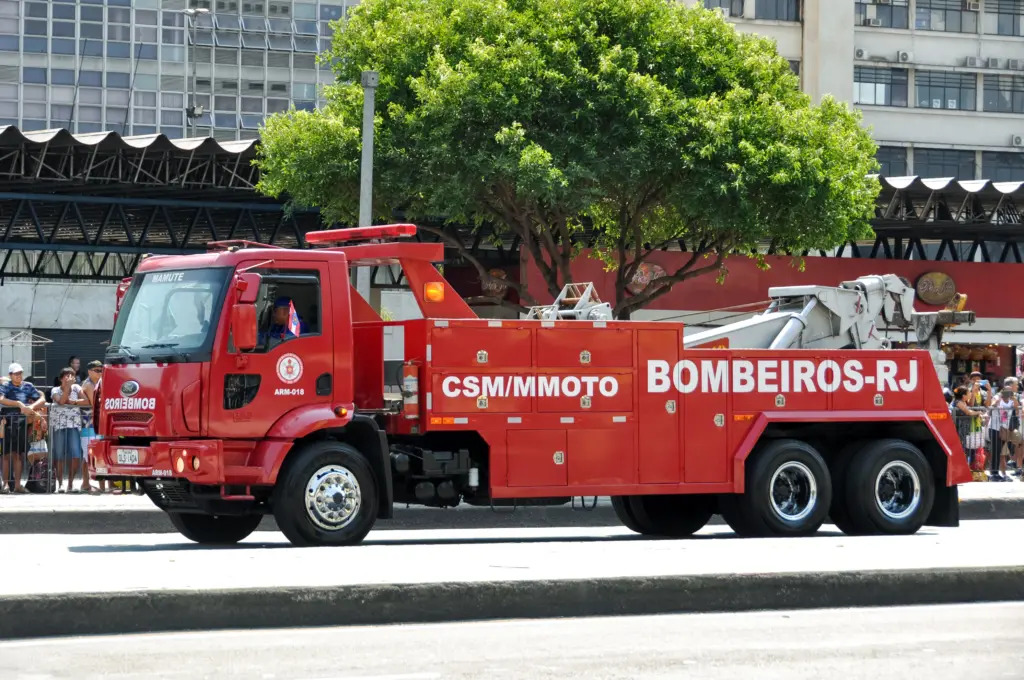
891	470
214	529
784	465
326	467
729	507
839	512
673	516
620	504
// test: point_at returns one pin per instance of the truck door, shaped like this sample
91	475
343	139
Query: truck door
249	391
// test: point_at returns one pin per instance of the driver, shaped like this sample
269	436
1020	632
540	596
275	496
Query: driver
280	322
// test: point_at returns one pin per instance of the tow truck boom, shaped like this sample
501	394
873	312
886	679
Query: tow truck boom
853	315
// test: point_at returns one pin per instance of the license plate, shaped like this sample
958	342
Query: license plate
127	456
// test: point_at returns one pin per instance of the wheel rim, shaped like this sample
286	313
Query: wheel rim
794	491
333	497
898	490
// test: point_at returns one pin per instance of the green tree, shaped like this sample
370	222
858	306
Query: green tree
633	123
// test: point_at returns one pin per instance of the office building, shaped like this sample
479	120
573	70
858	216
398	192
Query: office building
940	82
92	65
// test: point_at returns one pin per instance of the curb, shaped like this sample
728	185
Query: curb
45	615
82	522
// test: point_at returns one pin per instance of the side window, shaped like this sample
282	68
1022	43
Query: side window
288	307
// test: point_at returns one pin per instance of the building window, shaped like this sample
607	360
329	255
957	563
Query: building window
1004	94
944	90
1002	167
892	161
31	74
733	7
945	15
779	10
794	66
944	163
1004	17
894	15
880	86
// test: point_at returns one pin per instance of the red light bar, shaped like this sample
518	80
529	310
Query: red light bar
361	233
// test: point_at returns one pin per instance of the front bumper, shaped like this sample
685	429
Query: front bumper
199	462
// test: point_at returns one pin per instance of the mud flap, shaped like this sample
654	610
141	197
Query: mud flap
946	510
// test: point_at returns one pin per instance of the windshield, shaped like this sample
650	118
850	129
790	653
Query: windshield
169	316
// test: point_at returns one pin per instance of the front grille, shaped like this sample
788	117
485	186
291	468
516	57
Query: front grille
131	417
168	493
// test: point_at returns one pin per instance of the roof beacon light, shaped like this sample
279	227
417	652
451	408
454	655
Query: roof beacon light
433	291
383	231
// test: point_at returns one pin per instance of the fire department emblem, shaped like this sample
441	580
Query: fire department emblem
289	368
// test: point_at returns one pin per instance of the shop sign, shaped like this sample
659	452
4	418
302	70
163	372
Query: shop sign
935	288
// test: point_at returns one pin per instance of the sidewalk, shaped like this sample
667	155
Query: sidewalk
128	514
153	583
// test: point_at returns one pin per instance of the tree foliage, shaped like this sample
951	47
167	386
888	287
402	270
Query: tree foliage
635	124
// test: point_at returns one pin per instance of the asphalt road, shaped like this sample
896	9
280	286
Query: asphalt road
963	642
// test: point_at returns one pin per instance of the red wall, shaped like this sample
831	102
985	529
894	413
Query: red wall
989	287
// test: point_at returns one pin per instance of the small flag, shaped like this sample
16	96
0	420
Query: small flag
293	319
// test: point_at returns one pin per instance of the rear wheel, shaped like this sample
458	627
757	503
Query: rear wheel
214	529
674	516
890	488
620	504
788	492
326	496
839	512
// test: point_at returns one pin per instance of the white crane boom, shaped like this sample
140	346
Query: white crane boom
845	317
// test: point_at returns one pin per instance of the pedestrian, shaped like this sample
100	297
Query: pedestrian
969	419
94	373
76	364
66	424
20	400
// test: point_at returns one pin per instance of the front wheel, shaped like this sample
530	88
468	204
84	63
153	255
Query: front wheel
214	529
327	496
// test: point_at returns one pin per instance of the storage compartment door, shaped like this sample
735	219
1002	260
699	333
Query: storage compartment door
537	458
659	408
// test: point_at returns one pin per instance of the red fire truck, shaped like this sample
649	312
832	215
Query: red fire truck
251	380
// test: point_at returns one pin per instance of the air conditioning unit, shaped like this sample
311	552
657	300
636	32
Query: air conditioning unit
993	63
1017	140
972	5
861	53
872	22
1015	64
904	57
972	62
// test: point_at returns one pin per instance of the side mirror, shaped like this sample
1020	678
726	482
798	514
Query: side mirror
248	286
243	326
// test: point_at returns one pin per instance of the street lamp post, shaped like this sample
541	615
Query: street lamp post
370	81
192	112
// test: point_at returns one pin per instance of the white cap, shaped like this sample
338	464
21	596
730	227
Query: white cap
15	368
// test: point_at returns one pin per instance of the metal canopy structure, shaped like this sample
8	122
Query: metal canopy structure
945	219
90	206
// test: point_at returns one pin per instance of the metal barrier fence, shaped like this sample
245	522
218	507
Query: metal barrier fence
39	458
992	441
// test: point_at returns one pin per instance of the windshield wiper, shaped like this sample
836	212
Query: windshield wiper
157	345
131	356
